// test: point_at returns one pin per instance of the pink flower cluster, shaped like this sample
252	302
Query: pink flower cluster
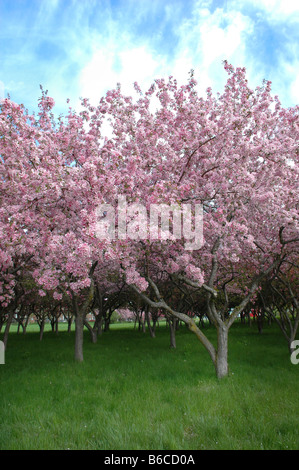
236	154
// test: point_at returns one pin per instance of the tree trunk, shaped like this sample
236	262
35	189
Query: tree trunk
151	330
69	325
41	331
142	319
260	323
107	319
221	363
99	323
79	322
92	331
172	328
80	315
56	326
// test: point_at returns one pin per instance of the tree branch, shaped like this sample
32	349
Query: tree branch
181	316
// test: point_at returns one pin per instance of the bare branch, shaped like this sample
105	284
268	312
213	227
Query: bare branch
197	286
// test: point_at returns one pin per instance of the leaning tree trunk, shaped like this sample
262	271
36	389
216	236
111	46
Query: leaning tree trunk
148	320
218	355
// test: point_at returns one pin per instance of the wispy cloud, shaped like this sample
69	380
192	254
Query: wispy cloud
242	32
208	38
82	48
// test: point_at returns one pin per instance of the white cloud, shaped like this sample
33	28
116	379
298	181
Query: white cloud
138	64
286	82
204	40
113	53
109	66
207	39
276	9
97	75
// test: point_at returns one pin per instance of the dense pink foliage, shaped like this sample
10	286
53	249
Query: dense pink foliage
235	153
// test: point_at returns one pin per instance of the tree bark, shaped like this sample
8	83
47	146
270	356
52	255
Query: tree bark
219	356
221	363
172	328
79	322
147	317
99	323
92	331
41	330
80	314
69	324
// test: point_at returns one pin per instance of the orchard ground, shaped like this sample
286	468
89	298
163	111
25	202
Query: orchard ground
134	392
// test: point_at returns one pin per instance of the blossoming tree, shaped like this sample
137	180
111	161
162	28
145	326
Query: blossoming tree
236	155
233	155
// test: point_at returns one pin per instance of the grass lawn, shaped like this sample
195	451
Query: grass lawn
133	392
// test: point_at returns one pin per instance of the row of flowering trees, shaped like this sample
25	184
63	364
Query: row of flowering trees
234	154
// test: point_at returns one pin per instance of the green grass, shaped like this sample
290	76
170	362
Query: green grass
133	392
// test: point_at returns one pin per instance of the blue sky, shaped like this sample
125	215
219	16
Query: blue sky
82	48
